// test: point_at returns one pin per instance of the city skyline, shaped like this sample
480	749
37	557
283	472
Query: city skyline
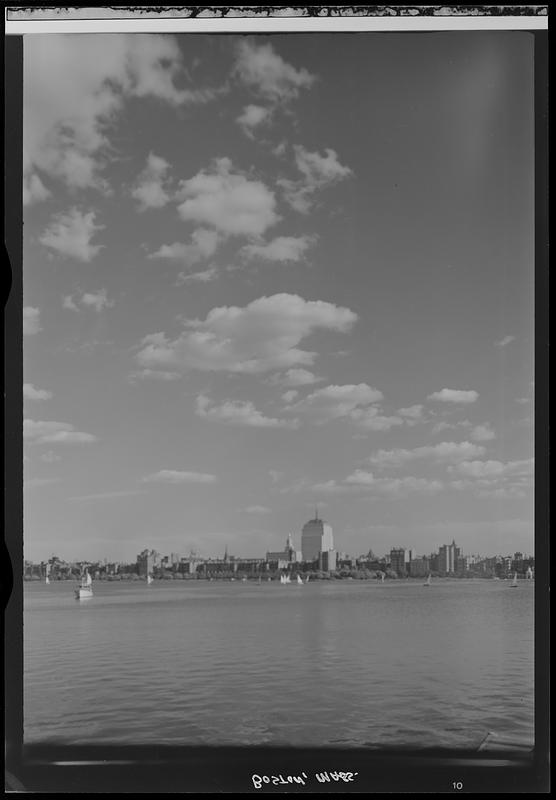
264	273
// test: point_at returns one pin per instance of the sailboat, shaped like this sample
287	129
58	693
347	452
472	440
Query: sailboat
300	580
513	584
307	579
47	580
149	579
428	581
86	588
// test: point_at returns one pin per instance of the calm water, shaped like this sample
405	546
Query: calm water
330	663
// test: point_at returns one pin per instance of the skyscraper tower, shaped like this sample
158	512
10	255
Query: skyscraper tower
316	537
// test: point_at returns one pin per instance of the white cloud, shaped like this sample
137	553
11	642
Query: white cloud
68	302
154	374
30	392
237	412
290	395
370	419
227	201
494	469
97	300
504	341
257	510
34	190
179	477
493	478
283	248
445	451
204	244
295	377
455	396
204	276
74	86
444	426
482	433
71	234
412	414
252	117
366	482
149	189
39	432
318	172
31	321
334	402
262	336
260	68
275	475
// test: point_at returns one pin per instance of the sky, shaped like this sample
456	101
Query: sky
272	273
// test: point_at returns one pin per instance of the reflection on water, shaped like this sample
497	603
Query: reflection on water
345	662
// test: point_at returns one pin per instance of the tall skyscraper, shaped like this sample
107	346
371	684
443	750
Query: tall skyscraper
316	537
447	557
397	560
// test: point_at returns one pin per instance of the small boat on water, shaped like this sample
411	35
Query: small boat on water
85	590
47	580
300	580
513	584
307	579
149	580
428	582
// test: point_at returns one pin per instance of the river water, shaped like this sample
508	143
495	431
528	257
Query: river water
331	663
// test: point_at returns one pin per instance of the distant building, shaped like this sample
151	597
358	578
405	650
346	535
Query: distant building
316	538
327	560
147	561
447	556
284	557
397	561
419	567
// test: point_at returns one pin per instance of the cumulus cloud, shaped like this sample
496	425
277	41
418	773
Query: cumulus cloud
318	172
227	201
204	244
504	341
361	481
450	452
489	469
153	374
261	69
31	321
283	248
203	276
150	187
179	477
461	396
482	433
262	336
97	300
412	414
30	392
70	234
252	117
494	478
334	402
74	87
238	412
34	190
290	395
371	419
50	432
295	377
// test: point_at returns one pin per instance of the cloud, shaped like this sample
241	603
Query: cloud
294	377
204	276
504	341
34	190
361	481
97	300
31	393
204	244
318	172
257	510
334	402
71	234
50	457
412	414
252	117
30	483
68	302
290	395
494	469
149	189
54	433
75	86
455	396
370	419
445	451
31	321
262	336
237	412
493	478
154	374
275	475
227	201
444	426
179	477
283	248
482	433
261	69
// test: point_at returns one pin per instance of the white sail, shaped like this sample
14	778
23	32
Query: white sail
47	579
514	582
428	581
300	580
88	579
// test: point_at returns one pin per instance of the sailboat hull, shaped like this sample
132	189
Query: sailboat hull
83	592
